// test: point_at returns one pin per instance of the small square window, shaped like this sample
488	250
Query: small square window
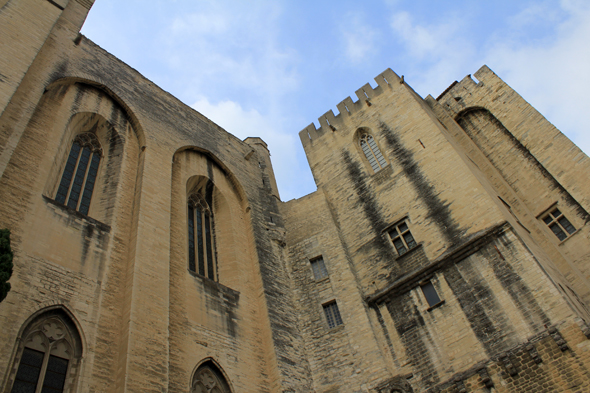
332	314
402	239
319	268
558	224
430	293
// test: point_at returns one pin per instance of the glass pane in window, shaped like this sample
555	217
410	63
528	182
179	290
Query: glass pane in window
430	294
28	371
566	225
208	236
89	186
200	249
332	315
377	152
558	231
66	178
55	376
556	213
548	219
409	240
319	268
191	239
79	178
399	246
403	227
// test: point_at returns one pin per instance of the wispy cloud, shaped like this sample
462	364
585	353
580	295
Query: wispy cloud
434	52
244	123
358	38
553	74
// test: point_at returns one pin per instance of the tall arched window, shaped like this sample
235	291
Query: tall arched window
372	152
201	236
48	355
79	175
209	379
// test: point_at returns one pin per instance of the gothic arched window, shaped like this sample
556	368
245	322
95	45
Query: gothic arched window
372	152
209	379
201	237
48	355
79	175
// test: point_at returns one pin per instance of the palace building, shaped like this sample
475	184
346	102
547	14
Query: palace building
446	248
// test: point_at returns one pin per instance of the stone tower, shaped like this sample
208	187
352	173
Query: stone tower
445	248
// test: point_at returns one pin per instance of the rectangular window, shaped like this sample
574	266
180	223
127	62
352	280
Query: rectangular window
332	314
430	293
402	239
319	268
558	224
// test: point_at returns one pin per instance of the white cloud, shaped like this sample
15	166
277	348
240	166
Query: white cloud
244	123
435	53
553	75
359	38
227	48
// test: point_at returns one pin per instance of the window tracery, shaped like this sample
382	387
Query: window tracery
209	380
372	152
201	237
47	357
79	174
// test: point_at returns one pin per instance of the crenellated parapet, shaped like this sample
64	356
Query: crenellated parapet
347	107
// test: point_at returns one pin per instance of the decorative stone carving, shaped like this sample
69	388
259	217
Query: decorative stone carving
208	381
397	384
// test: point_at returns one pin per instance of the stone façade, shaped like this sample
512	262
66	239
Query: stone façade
472	174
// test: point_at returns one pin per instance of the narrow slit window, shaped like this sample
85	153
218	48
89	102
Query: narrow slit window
79	174
559	225
319	268
201	237
372	152
402	238
332	314
430	293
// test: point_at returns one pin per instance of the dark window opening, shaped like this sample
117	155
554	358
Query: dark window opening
79	175
319	268
430	293
372	152
332	314
402	238
201	237
559	225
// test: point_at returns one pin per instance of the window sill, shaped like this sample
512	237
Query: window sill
71	212
437	305
322	280
410	251
569	237
336	329
213	283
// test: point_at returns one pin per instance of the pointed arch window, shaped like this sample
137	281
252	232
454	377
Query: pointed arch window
79	175
372	152
201	235
209	379
48	356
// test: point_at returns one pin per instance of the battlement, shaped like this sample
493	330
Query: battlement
347	107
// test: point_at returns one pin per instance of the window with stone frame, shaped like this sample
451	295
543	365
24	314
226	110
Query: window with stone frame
430	293
318	267
332	313
209	379
402	238
80	172
48	356
372	152
559	224
201	237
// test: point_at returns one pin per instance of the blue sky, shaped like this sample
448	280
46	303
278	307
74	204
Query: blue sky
269	68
